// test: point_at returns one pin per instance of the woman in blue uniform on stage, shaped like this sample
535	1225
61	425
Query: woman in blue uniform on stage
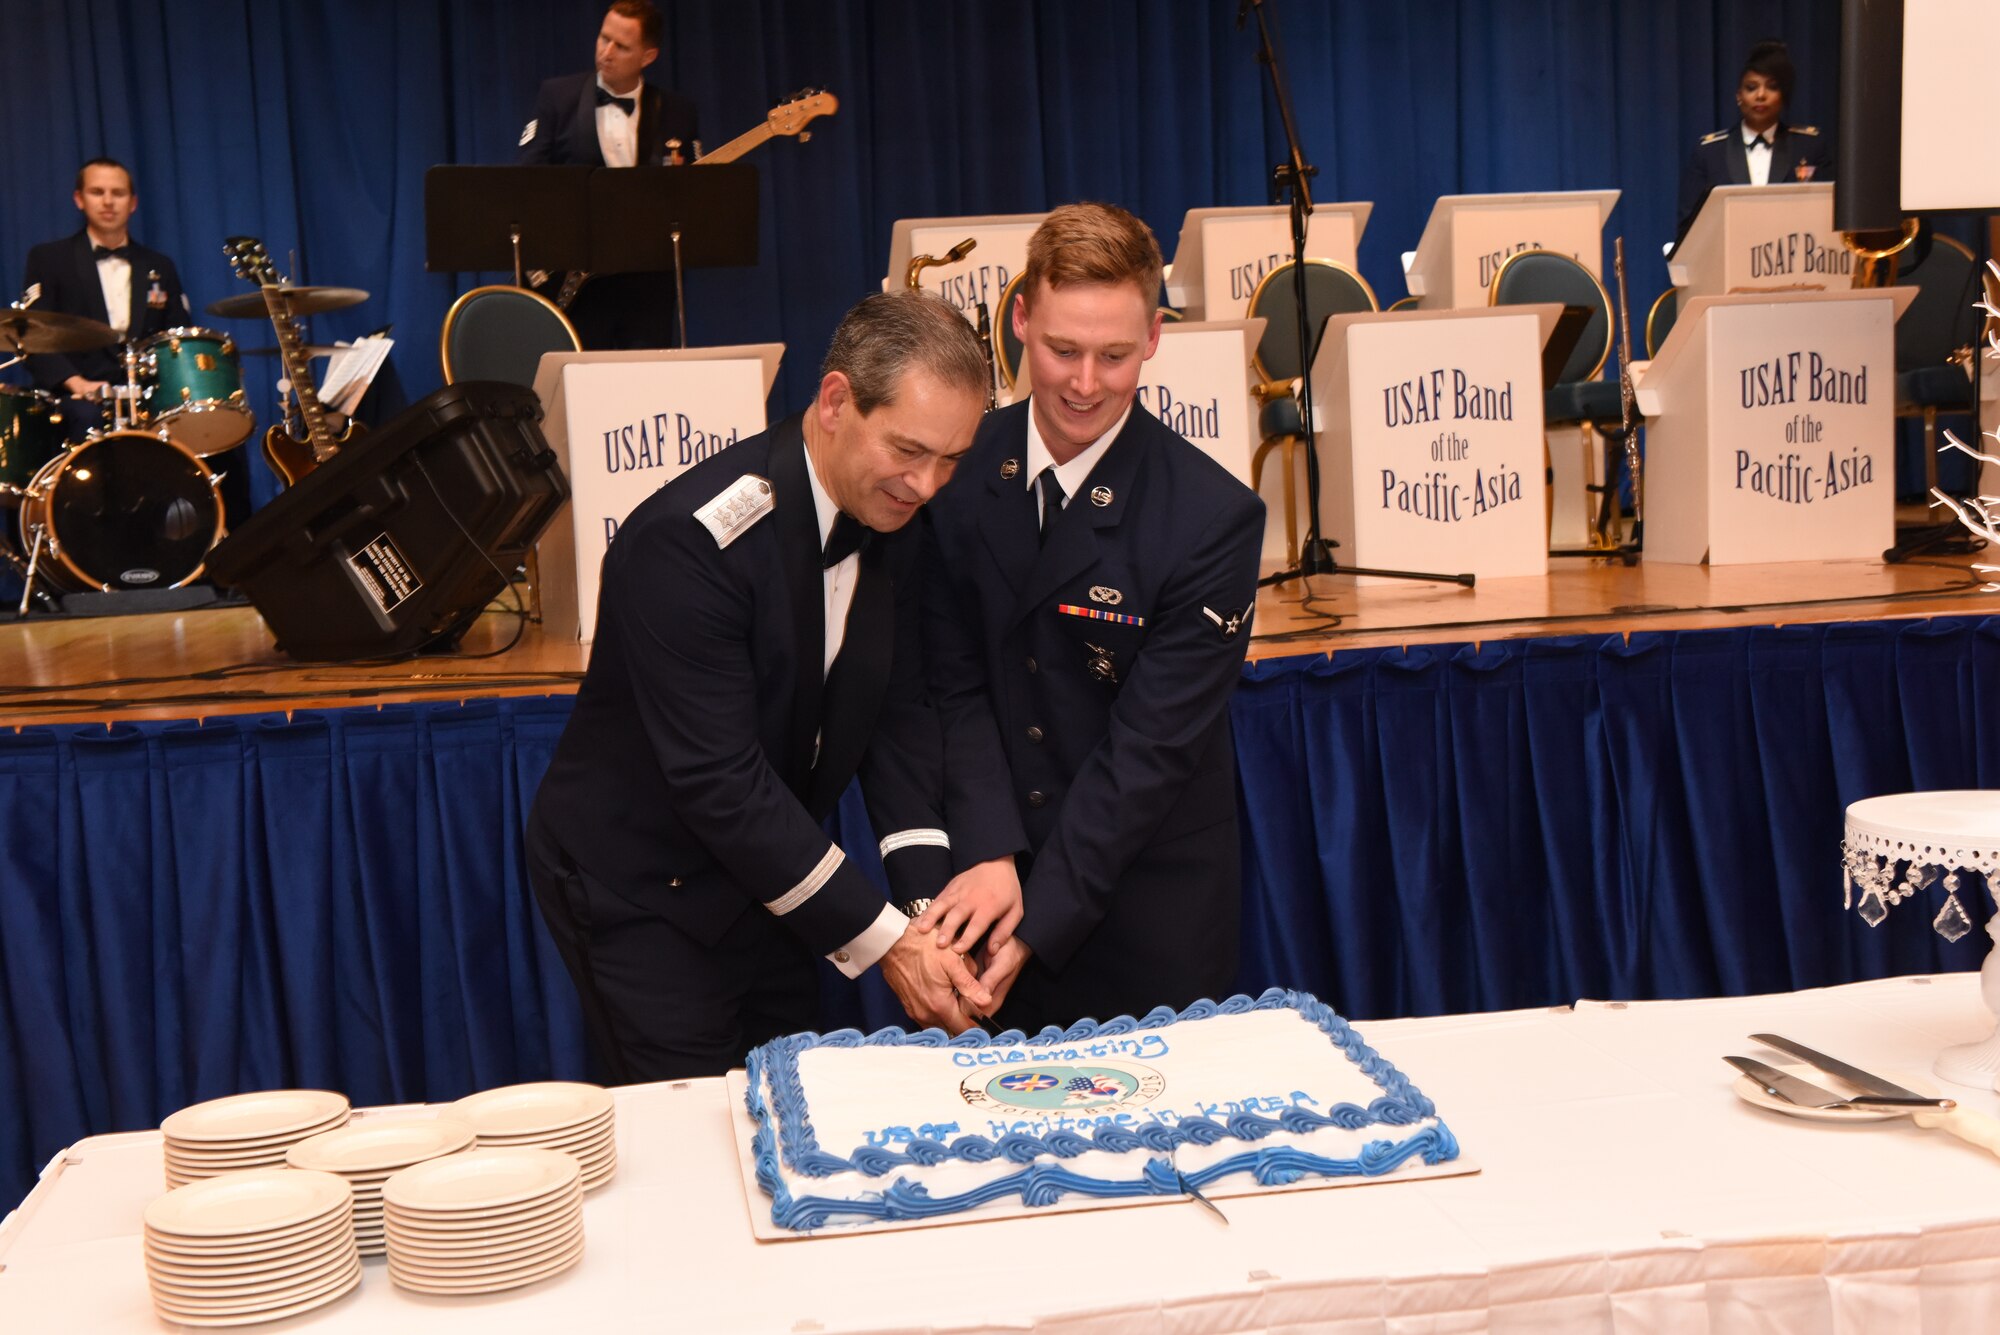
1761	149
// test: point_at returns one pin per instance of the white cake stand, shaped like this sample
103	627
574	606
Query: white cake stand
1904	843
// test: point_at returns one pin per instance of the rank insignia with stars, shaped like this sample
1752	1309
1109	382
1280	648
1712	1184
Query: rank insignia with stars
1227	622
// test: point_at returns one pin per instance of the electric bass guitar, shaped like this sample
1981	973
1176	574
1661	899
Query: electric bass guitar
290	455
790	117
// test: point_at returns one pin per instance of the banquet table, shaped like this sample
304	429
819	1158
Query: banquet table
1622	1187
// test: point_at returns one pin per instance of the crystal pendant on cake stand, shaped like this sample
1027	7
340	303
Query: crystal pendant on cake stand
1905	844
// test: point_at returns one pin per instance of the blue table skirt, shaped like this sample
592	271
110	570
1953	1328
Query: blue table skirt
337	900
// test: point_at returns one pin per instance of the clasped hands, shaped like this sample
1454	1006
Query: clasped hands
935	971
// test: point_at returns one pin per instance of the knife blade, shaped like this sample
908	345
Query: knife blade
1804	1093
1853	1075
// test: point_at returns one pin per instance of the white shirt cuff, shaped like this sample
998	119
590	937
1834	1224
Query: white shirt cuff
863	952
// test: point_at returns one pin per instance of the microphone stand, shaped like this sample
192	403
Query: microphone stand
1295	174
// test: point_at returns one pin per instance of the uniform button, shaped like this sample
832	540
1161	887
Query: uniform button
1034	733
1037	798
675	882
840	957
1032	666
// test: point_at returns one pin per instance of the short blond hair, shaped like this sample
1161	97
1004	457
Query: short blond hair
1092	244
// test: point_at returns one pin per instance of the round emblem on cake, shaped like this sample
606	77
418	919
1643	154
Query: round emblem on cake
1052	1090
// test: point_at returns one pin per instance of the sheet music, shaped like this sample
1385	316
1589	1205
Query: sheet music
352	370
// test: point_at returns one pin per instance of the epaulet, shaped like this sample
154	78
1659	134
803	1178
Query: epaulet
1804	129
1717	137
737	508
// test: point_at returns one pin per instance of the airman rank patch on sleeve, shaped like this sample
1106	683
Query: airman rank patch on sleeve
737	508
528	132
1227	622
1715	138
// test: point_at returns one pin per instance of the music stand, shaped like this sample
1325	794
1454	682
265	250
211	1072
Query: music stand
488	218
647	219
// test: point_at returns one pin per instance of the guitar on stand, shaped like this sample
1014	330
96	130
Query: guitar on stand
790	117
291	451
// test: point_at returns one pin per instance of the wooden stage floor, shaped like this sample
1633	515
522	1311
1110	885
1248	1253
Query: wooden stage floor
221	661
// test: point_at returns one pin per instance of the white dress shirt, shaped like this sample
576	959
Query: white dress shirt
618	130
1076	472
1760	157
837	583
114	274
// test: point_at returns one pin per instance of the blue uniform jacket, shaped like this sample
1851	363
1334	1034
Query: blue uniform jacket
1798	153
1083	688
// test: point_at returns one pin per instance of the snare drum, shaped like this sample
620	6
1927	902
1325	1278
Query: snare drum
125	510
31	434
192	390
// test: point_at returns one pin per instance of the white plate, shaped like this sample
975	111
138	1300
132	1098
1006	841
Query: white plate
249	1146
374	1146
245	1205
249	1252
491	1284
519	1110
217	1287
435	1251
275	1314
474	1230
602	1125
241	1117
196	1312
1753	1093
481	1180
533	1252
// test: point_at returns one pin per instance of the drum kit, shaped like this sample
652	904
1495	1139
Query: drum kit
134	504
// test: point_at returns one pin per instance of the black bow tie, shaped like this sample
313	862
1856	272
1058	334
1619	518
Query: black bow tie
849	536
606	98
1759	141
123	252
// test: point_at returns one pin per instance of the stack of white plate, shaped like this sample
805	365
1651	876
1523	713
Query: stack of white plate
551	1115
251	1246
483	1221
246	1131
367	1154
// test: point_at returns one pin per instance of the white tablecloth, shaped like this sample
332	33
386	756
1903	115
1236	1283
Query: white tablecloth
1624	1189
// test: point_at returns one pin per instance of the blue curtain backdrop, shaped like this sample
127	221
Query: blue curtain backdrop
338	900
311	124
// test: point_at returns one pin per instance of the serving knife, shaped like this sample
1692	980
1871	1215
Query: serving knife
1789	1088
1935	1114
1853	1075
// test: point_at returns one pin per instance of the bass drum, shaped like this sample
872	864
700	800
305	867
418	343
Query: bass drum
125	510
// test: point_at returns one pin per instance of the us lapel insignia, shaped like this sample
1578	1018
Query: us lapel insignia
1100	496
1009	469
1227	622
1099	663
1110	597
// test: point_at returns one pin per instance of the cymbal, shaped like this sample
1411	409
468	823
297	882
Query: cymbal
302	300
309	349
52	331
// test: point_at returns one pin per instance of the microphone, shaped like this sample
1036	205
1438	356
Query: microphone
961	250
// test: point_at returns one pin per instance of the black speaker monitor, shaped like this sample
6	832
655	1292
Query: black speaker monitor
401	539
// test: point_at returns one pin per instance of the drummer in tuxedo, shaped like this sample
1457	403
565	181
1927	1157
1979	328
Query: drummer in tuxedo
758	646
103	274
612	117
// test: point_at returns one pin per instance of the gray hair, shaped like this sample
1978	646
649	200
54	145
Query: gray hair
892	332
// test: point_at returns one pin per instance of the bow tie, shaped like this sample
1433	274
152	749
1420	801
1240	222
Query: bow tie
606	98
123	252
1758	141
849	536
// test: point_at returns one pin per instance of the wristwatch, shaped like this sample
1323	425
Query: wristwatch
915	907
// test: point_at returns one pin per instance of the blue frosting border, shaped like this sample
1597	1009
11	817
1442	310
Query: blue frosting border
1042	1183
